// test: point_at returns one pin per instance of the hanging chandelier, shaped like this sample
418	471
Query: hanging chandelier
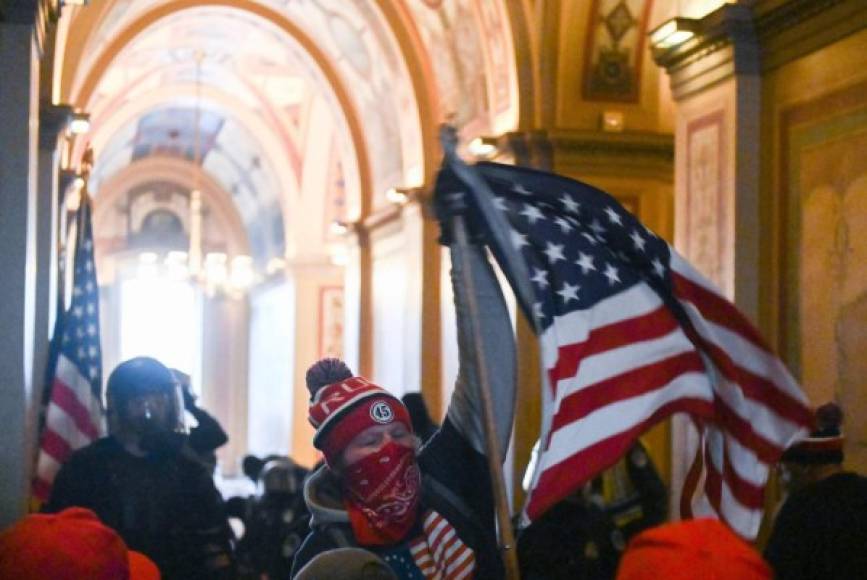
216	273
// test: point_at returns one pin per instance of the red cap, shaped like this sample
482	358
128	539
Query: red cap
70	545
342	410
704	548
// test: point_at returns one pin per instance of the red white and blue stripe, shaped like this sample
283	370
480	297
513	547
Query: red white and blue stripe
630	333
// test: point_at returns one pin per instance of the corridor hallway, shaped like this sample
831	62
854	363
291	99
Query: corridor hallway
262	172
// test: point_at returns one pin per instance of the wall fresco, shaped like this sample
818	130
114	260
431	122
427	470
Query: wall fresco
706	212
825	181
614	50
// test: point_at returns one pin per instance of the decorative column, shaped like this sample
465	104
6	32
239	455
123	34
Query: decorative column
318	305
225	342
422	367
19	117
716	83
53	121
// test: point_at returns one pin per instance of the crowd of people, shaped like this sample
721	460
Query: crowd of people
397	495
141	503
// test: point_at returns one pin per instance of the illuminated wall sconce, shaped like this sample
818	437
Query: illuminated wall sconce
673	32
339	228
612	121
79	123
482	147
398	195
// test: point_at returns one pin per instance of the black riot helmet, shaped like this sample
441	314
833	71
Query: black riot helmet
144	398
279	476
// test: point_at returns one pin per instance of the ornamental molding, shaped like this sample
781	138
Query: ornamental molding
639	153
737	39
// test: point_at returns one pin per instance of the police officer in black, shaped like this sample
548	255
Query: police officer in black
142	481
583	536
276	521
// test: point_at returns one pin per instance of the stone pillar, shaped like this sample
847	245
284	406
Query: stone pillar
355	291
271	388
716	83
19	102
225	346
53	120
422	368
393	276
314	279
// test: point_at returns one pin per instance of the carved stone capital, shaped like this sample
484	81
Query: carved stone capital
724	44
648	154
789	29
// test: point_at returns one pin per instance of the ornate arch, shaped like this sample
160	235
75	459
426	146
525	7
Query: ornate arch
347	108
181	172
105	128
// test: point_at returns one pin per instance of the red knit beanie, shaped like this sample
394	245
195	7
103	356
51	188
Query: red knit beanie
703	548
342	406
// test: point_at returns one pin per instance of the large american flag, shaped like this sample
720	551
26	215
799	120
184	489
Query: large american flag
630	333
73	415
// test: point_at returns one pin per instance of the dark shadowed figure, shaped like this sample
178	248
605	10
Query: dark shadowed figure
141	482
821	530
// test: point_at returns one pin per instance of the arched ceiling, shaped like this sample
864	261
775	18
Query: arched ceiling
252	73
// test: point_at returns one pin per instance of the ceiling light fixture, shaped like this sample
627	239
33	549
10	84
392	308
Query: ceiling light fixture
217	272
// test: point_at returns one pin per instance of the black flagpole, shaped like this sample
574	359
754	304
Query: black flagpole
492	446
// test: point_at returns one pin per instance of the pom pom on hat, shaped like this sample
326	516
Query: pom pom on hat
325	372
343	405
825	443
829	419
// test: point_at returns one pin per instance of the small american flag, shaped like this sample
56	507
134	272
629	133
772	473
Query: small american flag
630	333
439	553
74	415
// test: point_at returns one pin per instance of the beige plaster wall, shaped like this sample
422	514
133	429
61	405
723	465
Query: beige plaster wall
224	374
815	111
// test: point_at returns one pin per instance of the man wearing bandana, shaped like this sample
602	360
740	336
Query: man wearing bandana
426	511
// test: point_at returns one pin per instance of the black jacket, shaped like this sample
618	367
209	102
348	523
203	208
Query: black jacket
821	531
164	505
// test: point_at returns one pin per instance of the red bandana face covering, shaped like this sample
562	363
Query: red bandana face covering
382	493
